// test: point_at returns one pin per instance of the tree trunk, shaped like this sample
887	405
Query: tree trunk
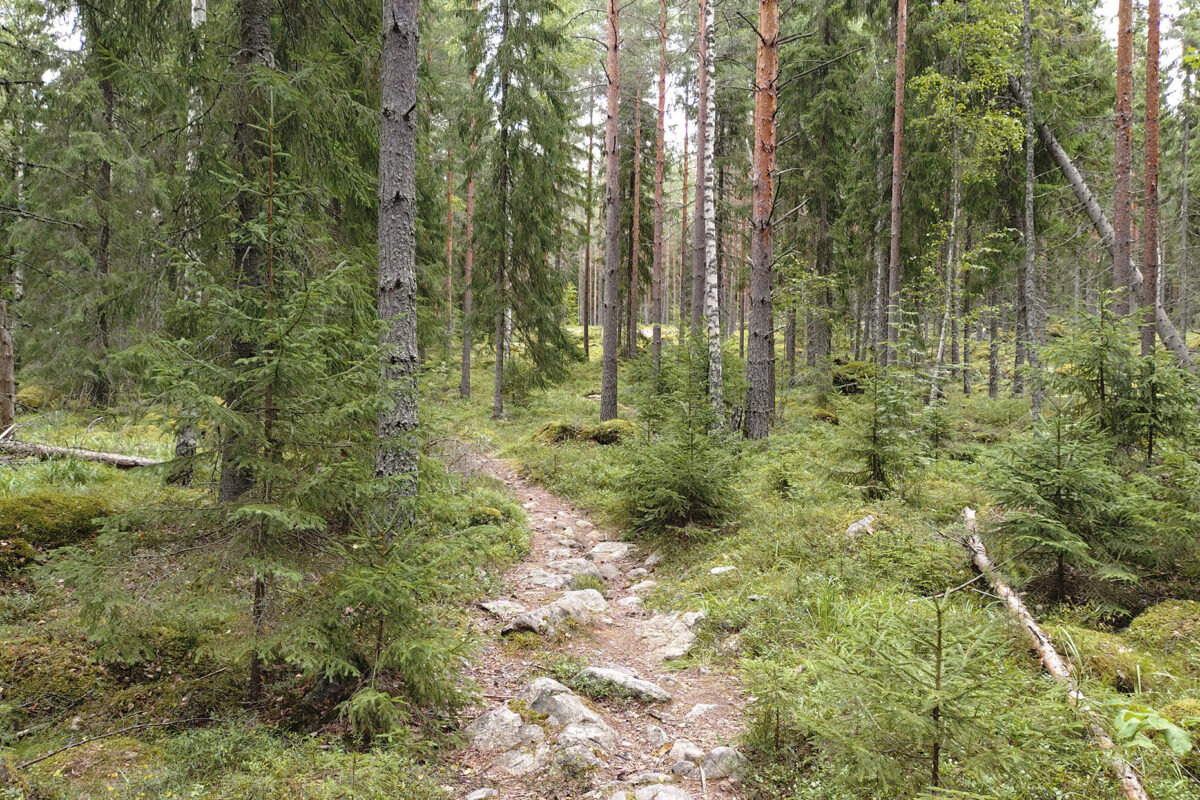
254	51
101	390
397	451
699	224
503	313
656	298
685	253
1033	315
1122	157
1184	213
449	251
8	385
635	249
464	386
612	231
1165	327
1150	283
585	300
993	346
712	307
897	182
1051	661
951	258
759	405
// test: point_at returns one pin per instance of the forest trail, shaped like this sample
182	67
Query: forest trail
533	737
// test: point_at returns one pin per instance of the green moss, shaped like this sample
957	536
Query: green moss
825	415
1184	713
555	432
1110	659
1172	627
486	515
36	397
612	431
49	519
16	554
848	376
43	673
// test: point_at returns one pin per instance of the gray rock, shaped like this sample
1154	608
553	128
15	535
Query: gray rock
559	553
722	570
684	750
643	587
610	551
661	792
656	736
649	778
576	567
593	735
583	523
698	711
609	572
502	608
637	573
481	794
722	762
523	762
619	796
550	580
561	707
670	636
623	679
542	686
654	559
577	757
859	527
630	602
683	768
496	730
577	605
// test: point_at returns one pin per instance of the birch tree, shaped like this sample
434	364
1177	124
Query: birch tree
712	307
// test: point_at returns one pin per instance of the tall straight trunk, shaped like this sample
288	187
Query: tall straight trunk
585	300
612	223
397	451
635	250
993	346
951	258
503	312
8	386
966	336
897	182
656	296
1150	281
880	326
101	388
760	394
1033	305
254	51
464	386
789	343
1122	157
712	307
820	336
699	225
685	253
449	333
1185	216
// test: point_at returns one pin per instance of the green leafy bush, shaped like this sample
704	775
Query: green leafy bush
49	519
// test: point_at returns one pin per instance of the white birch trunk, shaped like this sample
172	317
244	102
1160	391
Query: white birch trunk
712	310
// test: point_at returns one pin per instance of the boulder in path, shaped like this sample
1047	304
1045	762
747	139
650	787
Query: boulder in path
503	609
496	730
643	587
722	570
684	750
576	567
481	794
578	605
722	762
625	680
661	791
671	636
610	551
549	580
591	735
698	711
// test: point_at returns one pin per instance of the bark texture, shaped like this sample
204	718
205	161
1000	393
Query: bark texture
1123	156
8	386
712	296
766	97
1033	306
635	249
656	291
1150	299
698	222
34	450
612	222
396	295
897	181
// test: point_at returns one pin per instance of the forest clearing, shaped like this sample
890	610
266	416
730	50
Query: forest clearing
542	400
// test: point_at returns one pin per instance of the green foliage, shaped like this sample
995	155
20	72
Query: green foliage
50	518
1172	627
879	440
1136	724
36	397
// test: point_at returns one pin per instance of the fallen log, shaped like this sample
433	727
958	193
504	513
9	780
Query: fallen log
1104	229
1052	662
31	449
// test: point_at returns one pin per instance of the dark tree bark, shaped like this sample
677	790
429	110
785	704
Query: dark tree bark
759	397
585	299
1185	215
612	232
1150	226
8	386
1033	315
635	249
396	455
656	296
503	315
685	253
897	181
1122	157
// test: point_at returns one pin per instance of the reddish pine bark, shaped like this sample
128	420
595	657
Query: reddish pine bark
897	180
1150	229
1122	157
656	291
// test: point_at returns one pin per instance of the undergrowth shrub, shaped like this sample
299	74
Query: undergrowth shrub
879	443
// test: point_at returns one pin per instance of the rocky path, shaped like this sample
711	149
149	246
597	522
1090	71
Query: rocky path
623	722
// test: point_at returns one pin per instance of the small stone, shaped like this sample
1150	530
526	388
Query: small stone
583	523
481	794
660	792
550	580
683	768
610	551
643	587
698	711
654	559
722	570
619	796
670	636
656	736
609	572
578	605
502	608
529	505
576	567
722	762
496	730
649	778
595	735
864	525
559	553
636	573
644	690
684	750
630	602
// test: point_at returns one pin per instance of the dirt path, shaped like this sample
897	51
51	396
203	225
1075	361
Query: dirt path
536	738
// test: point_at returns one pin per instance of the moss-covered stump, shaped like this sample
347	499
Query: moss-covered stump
612	431
47	519
1171	628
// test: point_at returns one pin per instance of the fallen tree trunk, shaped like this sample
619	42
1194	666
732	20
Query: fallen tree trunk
1162	322
48	451
1052	662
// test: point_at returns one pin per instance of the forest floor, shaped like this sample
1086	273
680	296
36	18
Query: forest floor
648	737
